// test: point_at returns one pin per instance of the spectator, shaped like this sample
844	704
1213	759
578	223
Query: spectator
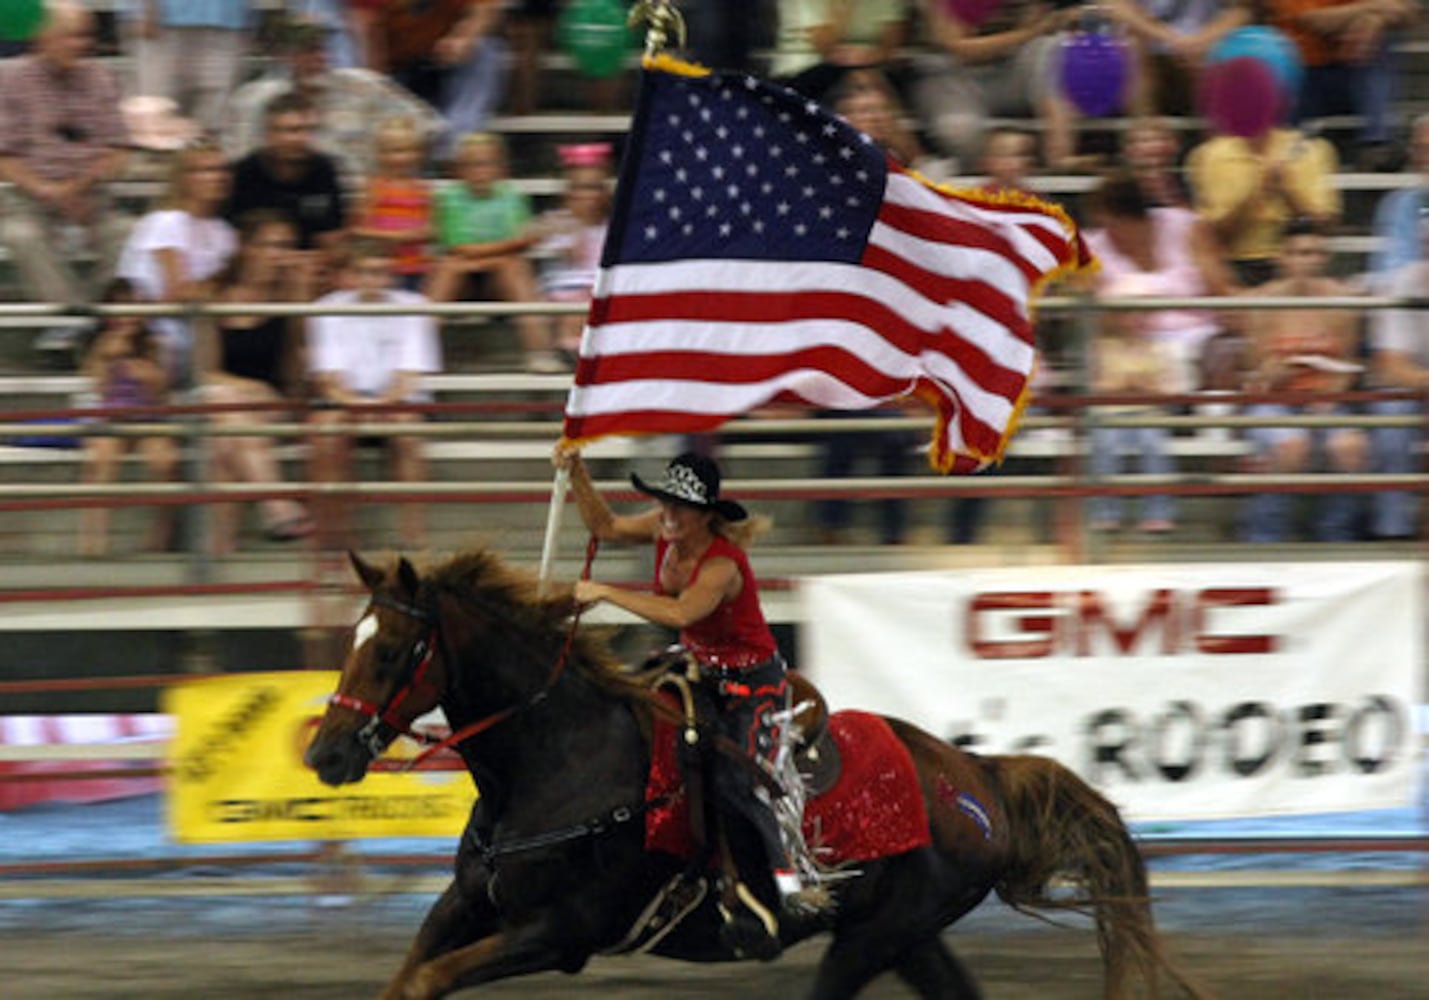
867	101
1164	252
574	236
192	52
62	142
818	41
1399	353
452	55
484	228
126	368
176	251
1350	64
1172	39
1304	351
529	25
397	206
255	360
1007	160
347	102
1249	188
865	105
1146	251
1001	67
289	176
727	34
1149	149
1398	217
1125	360
362	361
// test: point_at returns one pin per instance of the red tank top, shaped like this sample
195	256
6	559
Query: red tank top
734	635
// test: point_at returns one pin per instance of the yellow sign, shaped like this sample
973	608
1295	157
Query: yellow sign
236	770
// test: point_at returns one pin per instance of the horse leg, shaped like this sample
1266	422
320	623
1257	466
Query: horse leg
515	952
933	971
452	922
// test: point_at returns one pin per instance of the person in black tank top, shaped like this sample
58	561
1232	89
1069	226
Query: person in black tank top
253	360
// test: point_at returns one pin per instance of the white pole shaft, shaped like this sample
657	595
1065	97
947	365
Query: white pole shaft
553	523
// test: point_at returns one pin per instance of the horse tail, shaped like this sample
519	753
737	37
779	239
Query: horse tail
1060	825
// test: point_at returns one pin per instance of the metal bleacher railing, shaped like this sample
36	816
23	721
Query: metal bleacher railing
494	433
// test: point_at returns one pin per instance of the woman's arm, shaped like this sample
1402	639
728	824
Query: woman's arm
718	580
599	519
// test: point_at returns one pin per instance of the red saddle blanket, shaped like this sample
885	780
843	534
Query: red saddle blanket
874	810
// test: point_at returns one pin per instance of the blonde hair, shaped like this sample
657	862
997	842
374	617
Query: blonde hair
175	191
742	533
474	141
398	131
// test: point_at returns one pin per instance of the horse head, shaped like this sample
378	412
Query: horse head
394	672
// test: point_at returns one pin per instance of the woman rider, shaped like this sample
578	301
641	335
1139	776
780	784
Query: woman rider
705	588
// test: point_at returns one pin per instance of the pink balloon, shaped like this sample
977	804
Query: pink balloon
972	12
1240	96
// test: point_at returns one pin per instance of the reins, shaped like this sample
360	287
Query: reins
558	668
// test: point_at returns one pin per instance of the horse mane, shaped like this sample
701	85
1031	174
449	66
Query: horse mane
540	610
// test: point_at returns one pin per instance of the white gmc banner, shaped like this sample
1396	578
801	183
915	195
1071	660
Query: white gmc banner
1182	692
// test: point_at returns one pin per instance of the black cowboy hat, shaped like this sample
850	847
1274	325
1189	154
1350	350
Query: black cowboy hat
692	480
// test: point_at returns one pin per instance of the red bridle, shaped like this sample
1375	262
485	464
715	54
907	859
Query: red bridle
372	735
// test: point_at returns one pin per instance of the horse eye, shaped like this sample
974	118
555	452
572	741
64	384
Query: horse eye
389	663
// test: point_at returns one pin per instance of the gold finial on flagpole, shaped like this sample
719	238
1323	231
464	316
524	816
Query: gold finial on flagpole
663	22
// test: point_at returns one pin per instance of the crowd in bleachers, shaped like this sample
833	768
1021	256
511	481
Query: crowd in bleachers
311	144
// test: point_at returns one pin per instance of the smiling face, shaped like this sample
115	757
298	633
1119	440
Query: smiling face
681	523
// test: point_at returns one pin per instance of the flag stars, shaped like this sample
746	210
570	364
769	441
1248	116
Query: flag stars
725	229
667	157
830	129
826	211
651	232
732	190
659	195
843	232
783	208
701	153
846	152
722	131
697	193
808	190
800	229
717	172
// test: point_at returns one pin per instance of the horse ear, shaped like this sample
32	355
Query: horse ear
366	572
407	574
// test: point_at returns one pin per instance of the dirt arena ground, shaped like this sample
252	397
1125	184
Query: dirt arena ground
1346	944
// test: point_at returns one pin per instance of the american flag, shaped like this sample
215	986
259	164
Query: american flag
761	250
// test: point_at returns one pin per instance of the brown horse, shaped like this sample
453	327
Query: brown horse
553	866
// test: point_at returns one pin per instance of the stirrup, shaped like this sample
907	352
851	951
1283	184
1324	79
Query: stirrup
750	931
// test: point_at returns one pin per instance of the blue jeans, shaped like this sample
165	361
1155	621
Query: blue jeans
841	452
1394	514
1270	517
1149	445
1368	90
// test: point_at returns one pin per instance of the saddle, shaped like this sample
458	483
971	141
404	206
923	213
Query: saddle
817	761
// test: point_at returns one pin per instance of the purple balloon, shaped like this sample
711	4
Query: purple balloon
972	12
1095	71
1240	96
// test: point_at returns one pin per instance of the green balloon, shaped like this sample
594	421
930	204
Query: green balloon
595	35
20	19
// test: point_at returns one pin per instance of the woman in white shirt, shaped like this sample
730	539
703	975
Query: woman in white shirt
173	253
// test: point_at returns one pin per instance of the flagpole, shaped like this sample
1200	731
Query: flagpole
663	24
553	525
